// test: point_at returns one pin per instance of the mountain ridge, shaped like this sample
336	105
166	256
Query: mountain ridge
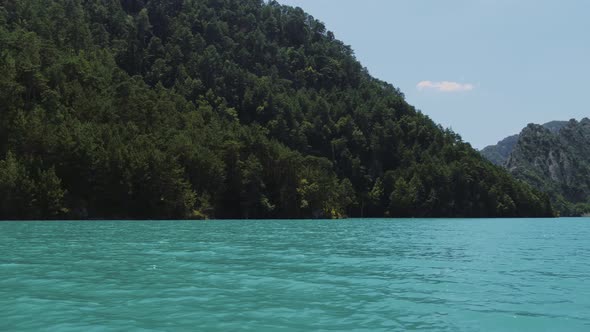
555	158
498	153
218	109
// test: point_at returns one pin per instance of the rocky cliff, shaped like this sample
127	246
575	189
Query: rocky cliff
554	157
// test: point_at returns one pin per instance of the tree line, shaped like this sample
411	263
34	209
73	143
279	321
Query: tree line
177	109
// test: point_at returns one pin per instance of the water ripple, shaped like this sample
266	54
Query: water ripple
377	275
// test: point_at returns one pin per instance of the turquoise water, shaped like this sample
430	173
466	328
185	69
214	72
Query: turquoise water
378	275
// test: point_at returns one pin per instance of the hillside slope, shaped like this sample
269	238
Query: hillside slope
557	162
554	158
498	154
218	108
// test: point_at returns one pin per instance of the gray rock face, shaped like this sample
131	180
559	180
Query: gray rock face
499	153
554	157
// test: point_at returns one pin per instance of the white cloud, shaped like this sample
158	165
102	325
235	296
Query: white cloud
445	86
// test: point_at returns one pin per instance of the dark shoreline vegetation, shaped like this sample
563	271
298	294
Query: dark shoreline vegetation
218	109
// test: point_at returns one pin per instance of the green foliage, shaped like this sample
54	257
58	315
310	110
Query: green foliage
554	158
29	196
225	109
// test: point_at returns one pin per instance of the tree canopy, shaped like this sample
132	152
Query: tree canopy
219	109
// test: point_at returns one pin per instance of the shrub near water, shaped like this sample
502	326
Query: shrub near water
219	108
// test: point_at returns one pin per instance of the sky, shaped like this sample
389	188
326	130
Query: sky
484	68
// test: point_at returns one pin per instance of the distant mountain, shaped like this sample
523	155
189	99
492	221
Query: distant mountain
499	153
554	157
555	126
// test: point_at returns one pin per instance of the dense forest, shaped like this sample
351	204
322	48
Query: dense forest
218	109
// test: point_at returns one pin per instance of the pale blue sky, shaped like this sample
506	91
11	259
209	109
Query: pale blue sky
514	61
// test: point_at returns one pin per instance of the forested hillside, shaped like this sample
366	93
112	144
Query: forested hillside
498	154
220	109
556	159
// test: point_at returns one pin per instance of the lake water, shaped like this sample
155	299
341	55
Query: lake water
377	275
